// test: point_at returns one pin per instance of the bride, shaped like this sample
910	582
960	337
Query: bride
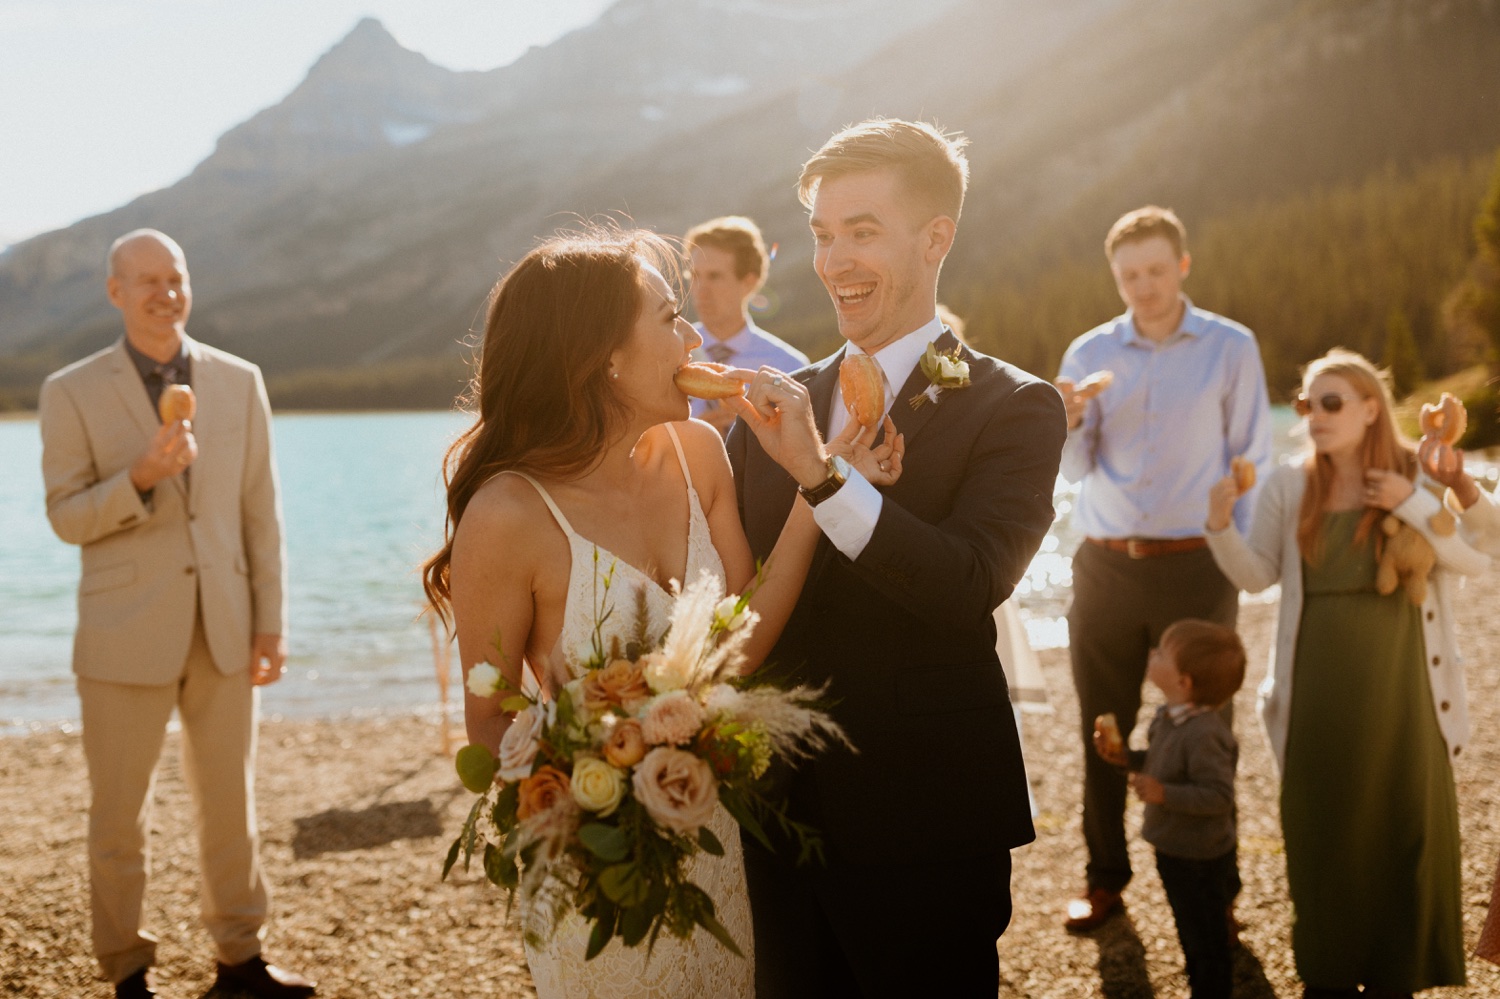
582	467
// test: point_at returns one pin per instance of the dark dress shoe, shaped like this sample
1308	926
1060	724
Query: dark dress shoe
1090	911
260	980
134	987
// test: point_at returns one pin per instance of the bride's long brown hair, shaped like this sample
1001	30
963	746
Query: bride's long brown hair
541	384
1384	448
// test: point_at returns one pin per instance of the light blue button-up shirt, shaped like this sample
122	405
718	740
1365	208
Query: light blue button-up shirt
1152	444
752	348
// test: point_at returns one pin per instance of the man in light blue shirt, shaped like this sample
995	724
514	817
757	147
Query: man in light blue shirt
1187	394
727	264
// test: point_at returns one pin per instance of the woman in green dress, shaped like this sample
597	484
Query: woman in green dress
1365	743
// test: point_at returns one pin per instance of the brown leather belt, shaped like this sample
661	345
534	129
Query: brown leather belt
1149	547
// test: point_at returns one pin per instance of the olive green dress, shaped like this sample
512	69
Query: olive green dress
1368	806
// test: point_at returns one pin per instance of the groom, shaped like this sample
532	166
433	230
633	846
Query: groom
896	616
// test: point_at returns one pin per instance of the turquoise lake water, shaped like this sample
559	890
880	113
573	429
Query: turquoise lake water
363	503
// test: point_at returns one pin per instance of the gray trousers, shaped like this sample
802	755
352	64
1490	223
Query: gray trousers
1121	605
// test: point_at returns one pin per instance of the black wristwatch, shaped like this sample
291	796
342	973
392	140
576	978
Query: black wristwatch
838	472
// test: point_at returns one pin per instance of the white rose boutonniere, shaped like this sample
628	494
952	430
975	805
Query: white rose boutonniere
944	371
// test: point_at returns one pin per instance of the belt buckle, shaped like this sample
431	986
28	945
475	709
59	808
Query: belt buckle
1135	547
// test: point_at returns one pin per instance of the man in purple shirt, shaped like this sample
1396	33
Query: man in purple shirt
727	264
1188	394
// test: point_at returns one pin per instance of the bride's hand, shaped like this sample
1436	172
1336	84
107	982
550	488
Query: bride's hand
778	411
881	465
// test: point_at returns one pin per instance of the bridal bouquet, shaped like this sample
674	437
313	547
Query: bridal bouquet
601	796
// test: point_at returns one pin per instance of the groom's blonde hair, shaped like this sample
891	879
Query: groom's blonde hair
930	162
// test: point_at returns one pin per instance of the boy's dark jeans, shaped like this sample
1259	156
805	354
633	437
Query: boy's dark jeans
1201	892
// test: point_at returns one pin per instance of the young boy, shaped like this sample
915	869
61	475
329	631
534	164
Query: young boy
1186	779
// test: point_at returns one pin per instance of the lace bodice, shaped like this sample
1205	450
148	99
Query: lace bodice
700	968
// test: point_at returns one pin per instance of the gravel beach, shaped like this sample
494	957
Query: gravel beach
356	814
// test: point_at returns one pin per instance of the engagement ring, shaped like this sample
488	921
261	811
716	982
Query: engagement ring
776	382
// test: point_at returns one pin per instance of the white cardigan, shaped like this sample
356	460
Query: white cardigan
1270	555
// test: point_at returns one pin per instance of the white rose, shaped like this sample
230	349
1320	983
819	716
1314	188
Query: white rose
484	680
597	786
661	673
951	369
518	745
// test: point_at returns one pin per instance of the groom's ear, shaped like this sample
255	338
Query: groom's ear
938	236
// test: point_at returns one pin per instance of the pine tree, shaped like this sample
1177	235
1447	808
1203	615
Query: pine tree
1475	303
1401	356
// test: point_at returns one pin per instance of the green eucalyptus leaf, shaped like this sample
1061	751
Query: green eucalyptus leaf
710	842
608	843
516	703
598	939
452	857
635	923
712	925
476	768
506	803
623	884
500	868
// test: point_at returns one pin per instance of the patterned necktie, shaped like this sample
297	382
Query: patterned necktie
719	352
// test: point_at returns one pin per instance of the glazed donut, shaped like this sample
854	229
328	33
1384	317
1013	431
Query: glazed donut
706	380
1243	470
177	402
863	386
1108	731
1093	384
1446	419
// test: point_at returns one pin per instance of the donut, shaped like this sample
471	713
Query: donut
1243	470
177	402
1446	419
1093	384
863	386
1108	731
706	380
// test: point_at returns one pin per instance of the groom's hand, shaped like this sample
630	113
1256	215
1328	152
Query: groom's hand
778	410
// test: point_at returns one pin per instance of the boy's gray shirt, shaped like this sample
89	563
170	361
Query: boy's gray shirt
1195	760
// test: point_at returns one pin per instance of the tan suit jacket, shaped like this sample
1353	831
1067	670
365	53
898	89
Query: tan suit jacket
217	531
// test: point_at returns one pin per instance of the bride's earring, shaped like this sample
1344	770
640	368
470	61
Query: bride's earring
615	375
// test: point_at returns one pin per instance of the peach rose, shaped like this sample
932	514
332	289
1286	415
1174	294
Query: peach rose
672	719
676	788
543	791
518	745
619	684
625	745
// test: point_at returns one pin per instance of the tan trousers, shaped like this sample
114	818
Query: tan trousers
123	730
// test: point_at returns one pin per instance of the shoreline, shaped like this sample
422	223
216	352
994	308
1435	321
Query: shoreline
356	814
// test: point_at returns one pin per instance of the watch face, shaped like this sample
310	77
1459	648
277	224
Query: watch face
840	466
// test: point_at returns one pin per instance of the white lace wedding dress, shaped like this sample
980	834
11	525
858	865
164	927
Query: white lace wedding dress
699	968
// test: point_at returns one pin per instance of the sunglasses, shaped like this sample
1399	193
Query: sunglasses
1328	402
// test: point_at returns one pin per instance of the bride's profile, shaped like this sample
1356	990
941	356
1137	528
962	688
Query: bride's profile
582	461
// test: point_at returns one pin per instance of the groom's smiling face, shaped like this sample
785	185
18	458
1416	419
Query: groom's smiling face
877	256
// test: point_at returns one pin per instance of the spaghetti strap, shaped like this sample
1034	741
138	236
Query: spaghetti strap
681	457
547	498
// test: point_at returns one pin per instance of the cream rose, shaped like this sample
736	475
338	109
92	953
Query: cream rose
672	719
597	786
484	680
663	674
676	788
624	745
951	369
518	745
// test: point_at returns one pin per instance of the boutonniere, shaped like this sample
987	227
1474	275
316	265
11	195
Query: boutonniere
944	371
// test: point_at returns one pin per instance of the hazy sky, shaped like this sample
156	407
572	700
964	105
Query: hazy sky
102	100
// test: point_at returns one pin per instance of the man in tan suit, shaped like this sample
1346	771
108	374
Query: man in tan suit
182	603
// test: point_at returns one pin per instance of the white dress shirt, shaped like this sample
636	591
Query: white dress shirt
849	516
